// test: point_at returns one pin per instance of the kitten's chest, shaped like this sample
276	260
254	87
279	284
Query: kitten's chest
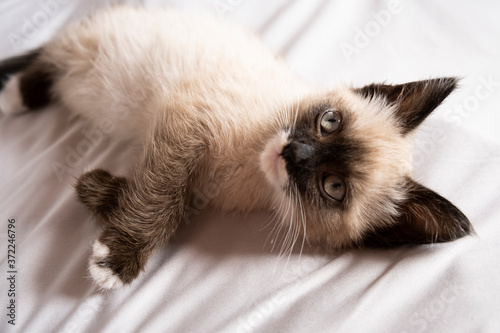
231	184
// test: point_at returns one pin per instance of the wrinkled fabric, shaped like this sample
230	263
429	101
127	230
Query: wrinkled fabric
224	273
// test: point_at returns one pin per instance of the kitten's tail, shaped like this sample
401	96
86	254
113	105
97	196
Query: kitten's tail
25	83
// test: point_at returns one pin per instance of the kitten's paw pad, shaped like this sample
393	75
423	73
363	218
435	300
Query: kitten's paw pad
11	101
100	270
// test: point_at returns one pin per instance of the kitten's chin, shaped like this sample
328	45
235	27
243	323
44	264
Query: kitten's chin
271	162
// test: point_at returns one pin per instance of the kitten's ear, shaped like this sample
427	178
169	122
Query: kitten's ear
413	101
426	217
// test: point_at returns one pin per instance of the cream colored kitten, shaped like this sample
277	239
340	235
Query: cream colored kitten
206	99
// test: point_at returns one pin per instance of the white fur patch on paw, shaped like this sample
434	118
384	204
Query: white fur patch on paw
11	101
104	277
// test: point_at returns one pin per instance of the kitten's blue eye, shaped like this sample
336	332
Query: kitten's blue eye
330	121
334	187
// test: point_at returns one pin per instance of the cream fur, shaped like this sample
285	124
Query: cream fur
130	64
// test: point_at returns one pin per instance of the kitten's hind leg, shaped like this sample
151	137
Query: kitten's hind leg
25	83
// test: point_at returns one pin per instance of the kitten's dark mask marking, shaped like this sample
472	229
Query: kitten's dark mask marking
297	152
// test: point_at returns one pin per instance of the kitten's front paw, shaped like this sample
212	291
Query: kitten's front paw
100	192
11	101
100	270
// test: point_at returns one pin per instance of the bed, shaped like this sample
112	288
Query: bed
221	273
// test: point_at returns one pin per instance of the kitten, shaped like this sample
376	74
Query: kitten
204	98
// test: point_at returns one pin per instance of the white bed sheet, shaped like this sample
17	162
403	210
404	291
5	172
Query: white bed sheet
219	274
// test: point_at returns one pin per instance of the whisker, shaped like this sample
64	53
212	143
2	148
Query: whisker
287	237
303	220
281	224
277	224
293	226
296	113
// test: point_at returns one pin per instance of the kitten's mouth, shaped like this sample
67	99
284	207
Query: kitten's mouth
272	163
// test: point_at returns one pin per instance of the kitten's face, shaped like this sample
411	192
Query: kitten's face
341	168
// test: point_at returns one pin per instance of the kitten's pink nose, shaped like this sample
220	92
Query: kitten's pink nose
297	152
